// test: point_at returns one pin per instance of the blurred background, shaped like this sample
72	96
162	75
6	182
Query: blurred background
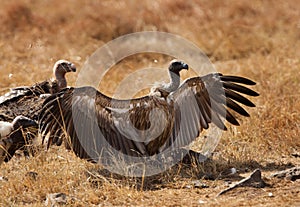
36	33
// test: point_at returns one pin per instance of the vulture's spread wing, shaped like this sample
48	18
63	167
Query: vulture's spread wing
145	126
95	122
200	101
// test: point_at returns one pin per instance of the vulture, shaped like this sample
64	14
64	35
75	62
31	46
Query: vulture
169	118
27	101
12	136
164	89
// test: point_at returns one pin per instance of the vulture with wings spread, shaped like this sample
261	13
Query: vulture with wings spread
171	117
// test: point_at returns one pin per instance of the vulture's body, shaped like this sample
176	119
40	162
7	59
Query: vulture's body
146	126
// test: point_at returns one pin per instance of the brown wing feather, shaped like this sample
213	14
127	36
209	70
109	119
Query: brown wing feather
205	100
95	122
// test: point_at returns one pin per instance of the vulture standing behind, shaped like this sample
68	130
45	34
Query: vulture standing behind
171	117
27	101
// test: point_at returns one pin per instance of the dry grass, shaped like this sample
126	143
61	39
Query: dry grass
257	39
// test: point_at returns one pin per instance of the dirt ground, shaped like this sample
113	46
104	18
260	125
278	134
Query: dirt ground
256	39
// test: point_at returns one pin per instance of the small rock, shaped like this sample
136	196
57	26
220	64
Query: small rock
201	202
54	199
198	184
270	195
254	180
228	183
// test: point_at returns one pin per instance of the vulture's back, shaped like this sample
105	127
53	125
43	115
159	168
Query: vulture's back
26	101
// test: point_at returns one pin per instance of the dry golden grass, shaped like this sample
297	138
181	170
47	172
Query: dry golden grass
257	39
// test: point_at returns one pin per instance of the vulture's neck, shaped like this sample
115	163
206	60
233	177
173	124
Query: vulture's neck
61	79
174	82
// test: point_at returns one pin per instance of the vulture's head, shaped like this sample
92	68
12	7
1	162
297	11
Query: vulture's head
24	122
16	138
63	66
176	66
60	69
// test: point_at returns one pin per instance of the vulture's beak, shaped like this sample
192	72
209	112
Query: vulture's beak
30	123
185	66
73	67
34	124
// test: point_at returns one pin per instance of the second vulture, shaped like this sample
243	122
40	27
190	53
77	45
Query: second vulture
22	105
27	100
171	117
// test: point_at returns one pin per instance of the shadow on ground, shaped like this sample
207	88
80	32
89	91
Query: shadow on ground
188	172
